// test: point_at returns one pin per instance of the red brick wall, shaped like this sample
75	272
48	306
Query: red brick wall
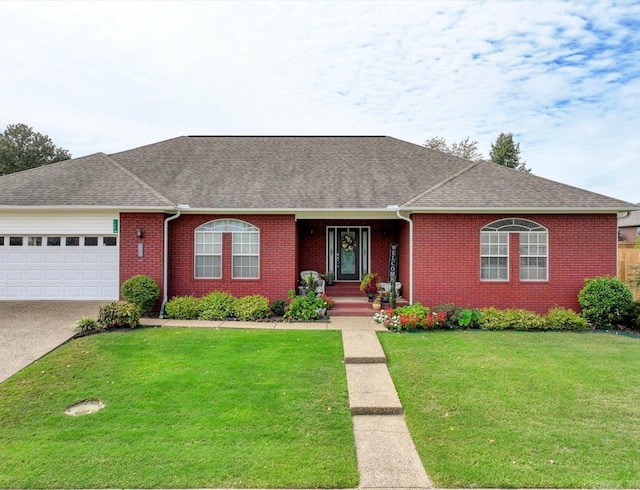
312	247
277	257
150	264
447	261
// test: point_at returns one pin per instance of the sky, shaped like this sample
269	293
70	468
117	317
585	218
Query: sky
562	76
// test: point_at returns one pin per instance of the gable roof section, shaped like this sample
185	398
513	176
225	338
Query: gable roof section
632	219
94	180
289	173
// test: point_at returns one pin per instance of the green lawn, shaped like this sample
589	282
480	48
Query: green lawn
184	408
514	409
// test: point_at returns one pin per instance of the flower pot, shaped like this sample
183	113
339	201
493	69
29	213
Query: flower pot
376	306
370	297
321	311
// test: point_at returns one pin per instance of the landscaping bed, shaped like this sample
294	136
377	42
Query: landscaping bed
183	408
521	409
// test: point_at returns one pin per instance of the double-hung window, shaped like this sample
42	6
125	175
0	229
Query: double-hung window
245	249
533	252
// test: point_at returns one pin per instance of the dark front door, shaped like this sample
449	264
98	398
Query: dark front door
348	256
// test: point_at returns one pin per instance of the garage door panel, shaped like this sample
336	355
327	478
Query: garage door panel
34	258
15	258
15	275
59	272
34	275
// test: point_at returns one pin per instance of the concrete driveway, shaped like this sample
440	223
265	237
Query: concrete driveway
30	329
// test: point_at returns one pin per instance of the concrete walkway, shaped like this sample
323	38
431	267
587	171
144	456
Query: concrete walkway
387	457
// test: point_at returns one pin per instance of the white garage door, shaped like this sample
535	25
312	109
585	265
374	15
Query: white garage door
58	267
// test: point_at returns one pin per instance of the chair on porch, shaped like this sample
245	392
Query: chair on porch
316	275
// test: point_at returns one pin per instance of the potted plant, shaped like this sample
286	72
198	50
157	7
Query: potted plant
377	303
369	285
328	277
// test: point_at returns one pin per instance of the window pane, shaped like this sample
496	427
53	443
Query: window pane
34	241
91	241
208	267
1	241
53	241
72	241
245	267
15	241
109	241
533	256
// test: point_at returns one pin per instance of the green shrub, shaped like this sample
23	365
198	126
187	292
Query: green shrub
142	291
87	325
469	318
304	308
217	305
605	301
278	306
183	308
253	307
511	319
113	315
565	319
414	309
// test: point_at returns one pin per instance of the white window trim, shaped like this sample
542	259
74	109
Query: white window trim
507	256
211	224
509	226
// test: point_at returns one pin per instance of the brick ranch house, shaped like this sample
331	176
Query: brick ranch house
247	214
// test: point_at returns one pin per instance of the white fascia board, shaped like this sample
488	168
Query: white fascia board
572	210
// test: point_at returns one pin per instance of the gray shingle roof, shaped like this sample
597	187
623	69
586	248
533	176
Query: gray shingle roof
291	172
632	219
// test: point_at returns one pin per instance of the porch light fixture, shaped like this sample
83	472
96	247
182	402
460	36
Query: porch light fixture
139	233
311	231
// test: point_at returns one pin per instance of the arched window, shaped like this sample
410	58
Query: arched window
533	253
245	253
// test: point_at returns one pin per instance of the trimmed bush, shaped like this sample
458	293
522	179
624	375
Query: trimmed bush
142	291
278	306
605	301
253	307
512	319
414	309
565	319
217	306
304	308
87	325
114	315
183	308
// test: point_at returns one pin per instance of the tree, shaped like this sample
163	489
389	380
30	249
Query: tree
22	148
464	149
506	152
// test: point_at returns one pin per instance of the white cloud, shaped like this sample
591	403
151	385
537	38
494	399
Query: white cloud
562	76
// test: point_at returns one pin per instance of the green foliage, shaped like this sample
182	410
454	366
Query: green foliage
311	282
507	153
22	148
605	301
252	307
183	308
468	317
304	308
414	309
87	325
217	305
565	319
464	149
452	311
114	315
142	291
511	319
278	307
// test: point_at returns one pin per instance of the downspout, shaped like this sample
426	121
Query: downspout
396	208
165	257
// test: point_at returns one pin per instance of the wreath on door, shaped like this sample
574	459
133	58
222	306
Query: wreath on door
348	243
